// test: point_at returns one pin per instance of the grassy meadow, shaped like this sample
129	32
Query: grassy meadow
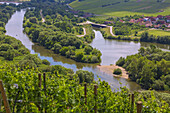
158	32
120	8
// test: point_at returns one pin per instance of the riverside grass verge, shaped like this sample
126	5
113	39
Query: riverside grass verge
132	7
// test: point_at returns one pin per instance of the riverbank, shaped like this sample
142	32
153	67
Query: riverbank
109	70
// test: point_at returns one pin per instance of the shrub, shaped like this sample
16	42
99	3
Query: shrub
121	61
85	76
46	62
117	71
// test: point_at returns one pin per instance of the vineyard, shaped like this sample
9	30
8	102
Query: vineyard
29	91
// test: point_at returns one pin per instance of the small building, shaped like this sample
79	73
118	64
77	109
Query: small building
122	21
157	26
149	25
167	19
162	22
160	16
132	21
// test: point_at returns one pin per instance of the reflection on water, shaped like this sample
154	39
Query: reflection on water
111	50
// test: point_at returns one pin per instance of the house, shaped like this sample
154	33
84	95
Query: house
160	16
132	21
149	25
168	19
162	22
153	19
140	20
146	19
157	26
167	25
142	23
122	21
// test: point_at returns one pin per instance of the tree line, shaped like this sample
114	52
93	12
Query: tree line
146	37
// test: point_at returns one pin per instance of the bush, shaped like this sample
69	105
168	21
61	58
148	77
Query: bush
121	61
46	62
85	76
117	71
94	59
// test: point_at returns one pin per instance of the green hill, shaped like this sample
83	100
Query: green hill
123	7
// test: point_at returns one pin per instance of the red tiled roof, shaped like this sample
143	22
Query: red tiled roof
132	20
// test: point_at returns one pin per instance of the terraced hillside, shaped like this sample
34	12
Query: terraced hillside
123	7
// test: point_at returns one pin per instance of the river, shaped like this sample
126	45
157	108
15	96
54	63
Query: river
111	51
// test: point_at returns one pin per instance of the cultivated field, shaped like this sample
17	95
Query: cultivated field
122	8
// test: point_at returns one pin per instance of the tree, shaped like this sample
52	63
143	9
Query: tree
79	56
85	76
33	20
64	50
94	59
10	54
88	49
117	71
56	48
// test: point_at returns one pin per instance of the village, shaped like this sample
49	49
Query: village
159	22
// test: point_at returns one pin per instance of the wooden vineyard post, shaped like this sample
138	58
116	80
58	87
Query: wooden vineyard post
132	104
85	92
44	77
0	101
139	107
39	95
95	95
39	78
6	104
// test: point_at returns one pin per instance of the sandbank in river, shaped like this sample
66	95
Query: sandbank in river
109	70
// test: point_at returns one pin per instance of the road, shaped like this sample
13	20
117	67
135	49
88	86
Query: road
43	20
84	30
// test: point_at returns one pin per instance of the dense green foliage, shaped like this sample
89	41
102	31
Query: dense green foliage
10	47
117	71
85	76
5	14
126	28
150	68
63	93
57	34
158	39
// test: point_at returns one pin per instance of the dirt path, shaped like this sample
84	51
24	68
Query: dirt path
111	30
84	30
109	70
43	20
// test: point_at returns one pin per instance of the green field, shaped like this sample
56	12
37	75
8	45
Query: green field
141	7
159	32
